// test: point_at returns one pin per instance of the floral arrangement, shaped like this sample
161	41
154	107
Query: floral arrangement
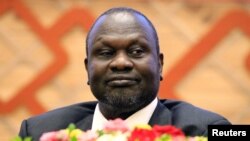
117	130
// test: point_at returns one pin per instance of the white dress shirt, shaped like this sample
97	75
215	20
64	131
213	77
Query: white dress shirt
140	117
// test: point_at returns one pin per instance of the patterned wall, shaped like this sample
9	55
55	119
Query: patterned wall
206	47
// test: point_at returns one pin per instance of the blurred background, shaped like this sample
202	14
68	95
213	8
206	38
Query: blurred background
42	49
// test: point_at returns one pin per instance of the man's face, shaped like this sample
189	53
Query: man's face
123	64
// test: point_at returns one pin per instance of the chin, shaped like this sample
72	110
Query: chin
128	102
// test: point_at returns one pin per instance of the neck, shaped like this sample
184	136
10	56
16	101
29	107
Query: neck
111	112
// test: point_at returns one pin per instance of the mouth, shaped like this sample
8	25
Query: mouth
121	81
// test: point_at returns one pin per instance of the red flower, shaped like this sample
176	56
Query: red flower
167	129
142	135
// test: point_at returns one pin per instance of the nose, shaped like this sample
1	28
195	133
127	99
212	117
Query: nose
121	63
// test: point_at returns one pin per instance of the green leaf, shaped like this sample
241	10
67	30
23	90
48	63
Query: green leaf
73	139
71	127
165	137
28	139
100	132
17	138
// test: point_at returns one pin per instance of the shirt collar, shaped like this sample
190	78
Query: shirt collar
140	117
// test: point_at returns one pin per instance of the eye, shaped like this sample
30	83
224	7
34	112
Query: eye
136	52
105	53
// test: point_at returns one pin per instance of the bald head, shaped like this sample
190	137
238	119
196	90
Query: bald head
122	16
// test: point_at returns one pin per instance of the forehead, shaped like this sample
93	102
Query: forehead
120	24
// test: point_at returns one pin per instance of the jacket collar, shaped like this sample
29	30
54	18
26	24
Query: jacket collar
161	115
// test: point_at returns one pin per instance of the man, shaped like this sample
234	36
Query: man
124	66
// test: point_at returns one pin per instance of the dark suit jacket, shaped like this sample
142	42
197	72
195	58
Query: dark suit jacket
192	120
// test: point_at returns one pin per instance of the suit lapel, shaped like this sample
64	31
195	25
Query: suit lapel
161	115
86	123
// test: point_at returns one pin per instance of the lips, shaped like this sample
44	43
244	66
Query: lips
122	81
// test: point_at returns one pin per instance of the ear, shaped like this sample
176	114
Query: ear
161	58
86	68
86	64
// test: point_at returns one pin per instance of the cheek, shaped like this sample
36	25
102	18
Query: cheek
148	68
97	69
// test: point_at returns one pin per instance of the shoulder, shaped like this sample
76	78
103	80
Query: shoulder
190	117
57	119
184	108
74	111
